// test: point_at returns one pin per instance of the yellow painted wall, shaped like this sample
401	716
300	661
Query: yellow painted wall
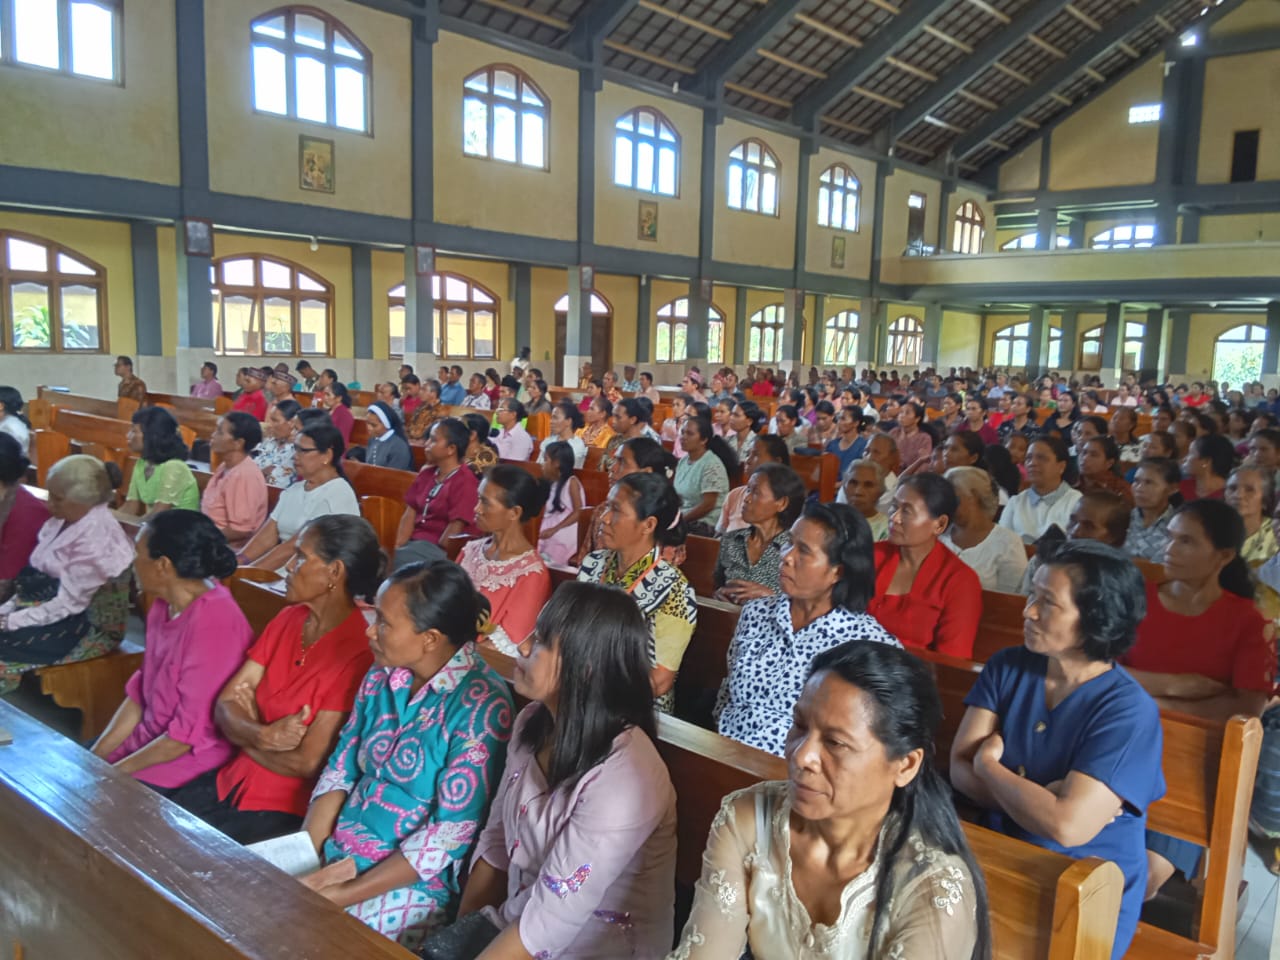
1241	228
753	238
1022	170
1254	15
167	254
1239	94
387	268
256	154
1098	147
624	294
492	194
617	208
1205	329
59	122
896	189
959	340
857	245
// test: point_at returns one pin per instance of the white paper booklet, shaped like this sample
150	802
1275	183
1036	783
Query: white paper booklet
293	853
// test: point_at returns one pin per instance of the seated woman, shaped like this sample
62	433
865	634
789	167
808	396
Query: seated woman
864	490
914	442
995	553
164	734
388	446
442	500
22	514
926	596
161	478
1206	467
744	424
236	496
1155	497
71	602
1059	744
1249	493
566	421
767	449
899	882
558	533
597	417
643	513
322	489
827	575
632	419
634	456
396	835
538	402
337	400
480	453
963	448
1099	460
702	476
286	704
578	857
1049	499
12	420
850	441
749	561
504	566
274	455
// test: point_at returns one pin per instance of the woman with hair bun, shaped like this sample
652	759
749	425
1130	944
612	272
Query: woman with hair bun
164	734
402	799
642	515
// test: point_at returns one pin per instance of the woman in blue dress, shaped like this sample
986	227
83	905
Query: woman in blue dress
1059	743
404	795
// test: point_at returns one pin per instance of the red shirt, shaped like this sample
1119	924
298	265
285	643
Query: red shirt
1227	643
252	402
1188	490
408	405
344	420
327	679
454	500
762	388
1200	401
19	533
942	609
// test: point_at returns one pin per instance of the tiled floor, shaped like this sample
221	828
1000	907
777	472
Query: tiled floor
1256	934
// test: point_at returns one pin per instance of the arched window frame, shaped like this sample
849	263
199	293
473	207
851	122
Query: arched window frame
1125	236
839	196
671	339
71	30
968	229
1055	348
840	339
906	341
1091	349
631	141
304	287
1242	337
1012	345
764	334
1134	342
474	300
343	57
529	105
1028	241
752	178
65	269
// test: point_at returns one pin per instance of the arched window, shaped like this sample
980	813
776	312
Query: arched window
672	345
967	230
840	339
1091	349
52	298
1132	352
753	178
1012	346
265	305
906	342
838	198
309	66
76	37
1237	354
764	335
599	306
504	117
1028	241
646	153
1125	237
1055	347
466	318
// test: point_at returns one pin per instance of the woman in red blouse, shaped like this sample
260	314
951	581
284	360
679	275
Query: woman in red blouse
21	514
285	706
926	596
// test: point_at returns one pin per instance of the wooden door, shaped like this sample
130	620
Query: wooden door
562	323
601	343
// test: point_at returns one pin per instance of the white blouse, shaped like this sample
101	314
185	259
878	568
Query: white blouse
745	897
298	506
999	560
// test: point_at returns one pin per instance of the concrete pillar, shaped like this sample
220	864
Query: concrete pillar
1038	347
420	348
1113	343
792	328
1155	346
577	333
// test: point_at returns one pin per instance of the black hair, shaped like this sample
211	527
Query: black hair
638	408
972	443
519	489
1002	468
330	373
649	454
1097	422
561	454
917	407
936	491
1108	592
850	547
340	391
303	365
411	378
1169	471
603	687
1218	450
825	406
13	461
776	446
457	433
353	542
312	417
571	413
541	385
244	426
288	408
395	389
1061	452
11	404
516	407
213	367
161	441
1110	450
511	383
905	712
604	403
1170	444
646	373
1225	530
328	439
716	445
654	496
127	361
755	416
477	424
1269	434
393	418
1074	415
791	412
784	482
192	542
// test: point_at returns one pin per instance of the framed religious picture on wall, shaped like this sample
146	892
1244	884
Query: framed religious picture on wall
648	220
837	253
198	237
315	164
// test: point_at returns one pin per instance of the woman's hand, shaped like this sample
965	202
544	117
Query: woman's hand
244	698
741	591
989	752
327	879
286	733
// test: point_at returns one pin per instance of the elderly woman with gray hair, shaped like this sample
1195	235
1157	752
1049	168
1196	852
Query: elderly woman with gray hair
995	553
72	600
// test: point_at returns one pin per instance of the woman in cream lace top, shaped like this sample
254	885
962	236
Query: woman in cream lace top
835	862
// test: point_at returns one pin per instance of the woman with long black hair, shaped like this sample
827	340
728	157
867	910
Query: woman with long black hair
161	479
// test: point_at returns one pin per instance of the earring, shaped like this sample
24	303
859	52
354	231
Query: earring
330	586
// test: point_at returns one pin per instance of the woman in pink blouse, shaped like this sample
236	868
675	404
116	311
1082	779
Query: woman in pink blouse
22	514
197	636
578	857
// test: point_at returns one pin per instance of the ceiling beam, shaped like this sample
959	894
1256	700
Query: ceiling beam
599	19
758	31
1113	32
1027	21
856	67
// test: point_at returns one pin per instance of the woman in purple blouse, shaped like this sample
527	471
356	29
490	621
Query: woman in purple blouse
164	734
578	858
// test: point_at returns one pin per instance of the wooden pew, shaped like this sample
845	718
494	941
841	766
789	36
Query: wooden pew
95	687
1000	625
595	486
74	401
821	474
95	864
370	481
701	555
